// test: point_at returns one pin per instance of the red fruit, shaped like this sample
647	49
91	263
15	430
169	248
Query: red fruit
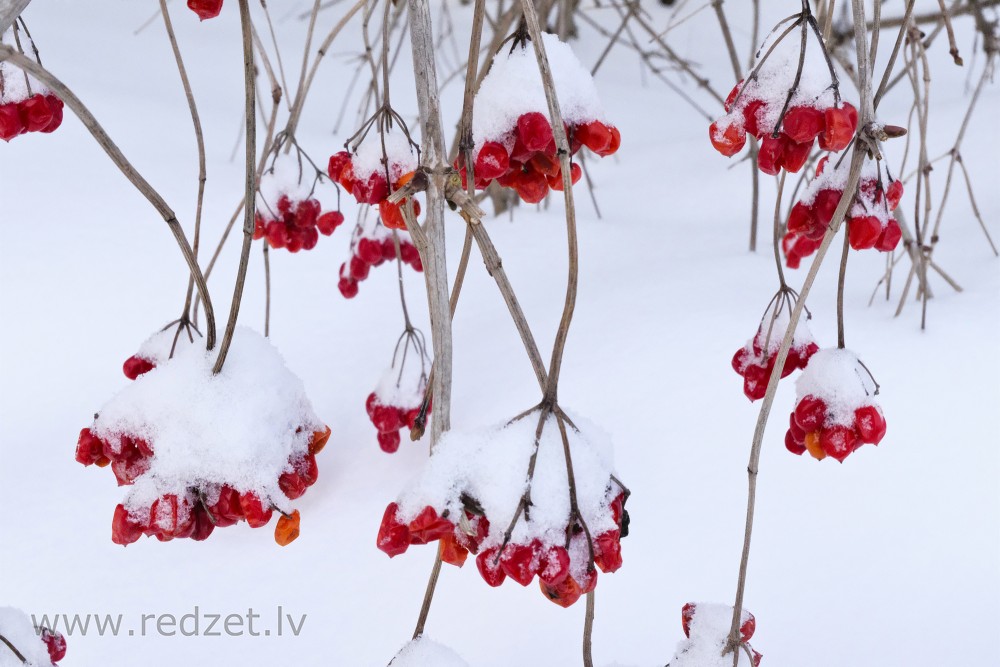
318	440
56	107
840	126
795	154
608	551
569	591
389	441
489	567
544	164
729	139
36	114
616	142
10	122
205	9
556	182
553	566
863	231
492	161
748	627
531	187
870	424
90	449
755	380
806	354
733	94
740	360
277	234
292	484
595	135
329	221
338	162
893	194
824	206
803	124
793	445
348	287
800	219
227	509
253	510
135	366
370	191
393	536
534	131
838	441
810	413
359	268
392	215
54	642
519	563
451	551
687	615
124	530
307	469
370	250
386	418
203	525
751	118
890	237
771	156
428	526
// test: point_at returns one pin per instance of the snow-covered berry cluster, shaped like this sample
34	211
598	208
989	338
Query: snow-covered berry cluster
374	171
469	493
785	114
200	451
395	403
870	223
288	215
706	628
37	647
514	144
205	9
26	105
836	411
755	361
373	245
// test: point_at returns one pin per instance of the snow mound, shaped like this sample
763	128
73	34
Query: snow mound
156	348
423	652
513	87
708	631
17	628
839	378
289	175
368	159
239	428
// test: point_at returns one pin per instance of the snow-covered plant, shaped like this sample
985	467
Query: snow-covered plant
24	645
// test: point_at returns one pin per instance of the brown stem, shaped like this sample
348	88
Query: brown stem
425	607
841	280
249	198
13	649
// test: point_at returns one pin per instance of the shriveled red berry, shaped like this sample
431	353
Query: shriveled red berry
838	441
393	535
803	124
840	126
519	562
36	114
489	567
124	530
553	566
728	139
890	237
531	187
254	511
863	231
608	551
428	526
205	9
893	194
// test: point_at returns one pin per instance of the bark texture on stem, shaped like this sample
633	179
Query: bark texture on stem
9	11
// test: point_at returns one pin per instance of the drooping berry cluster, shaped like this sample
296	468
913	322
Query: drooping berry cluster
396	402
789	101
706	628
200	450
836	411
373	245
205	9
755	361
295	225
564	544
870	223
26	105
525	158
371	175
514	142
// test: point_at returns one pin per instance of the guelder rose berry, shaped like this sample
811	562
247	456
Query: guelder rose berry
836	411
755	361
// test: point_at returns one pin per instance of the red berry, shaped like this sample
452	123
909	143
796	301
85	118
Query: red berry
608	551
893	194
90	449
392	215
253	510
751	118
810	413
795	154
348	287
393	535
338	163
205	9
870	424
771	156
864	231
36	114
840	126
370	250
451	551
389	441
428	526
56	106
838	441
124	530
329	221
10	122
531	187
519	562
489	567
292	484
553	566
890	237
54	642
824	206
803	124
534	131
793	445
729	139
492	161
800	219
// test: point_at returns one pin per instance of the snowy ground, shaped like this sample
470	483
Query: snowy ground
889	559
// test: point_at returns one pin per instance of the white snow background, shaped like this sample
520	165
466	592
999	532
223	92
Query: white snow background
889	559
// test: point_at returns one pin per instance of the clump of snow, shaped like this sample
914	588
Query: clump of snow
403	384
776	76
368	159
513	87
424	652
156	348
490	465
239	428
838	377
288	174
18	85
709	630
17	628
774	326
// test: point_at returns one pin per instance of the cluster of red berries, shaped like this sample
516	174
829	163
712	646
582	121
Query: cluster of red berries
521	562
755	361
525	158
205	9
390	420
747	628
373	246
373	189
198	512
37	113
785	146
812	428
295	225
869	220
54	642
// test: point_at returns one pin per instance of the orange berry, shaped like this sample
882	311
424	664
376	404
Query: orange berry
287	529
